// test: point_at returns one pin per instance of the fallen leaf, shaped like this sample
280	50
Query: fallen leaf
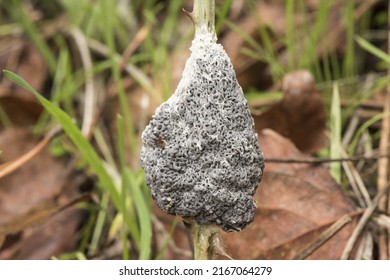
13	165
38	181
178	245
20	109
296	203
23	58
35	219
300	115
43	241
38	215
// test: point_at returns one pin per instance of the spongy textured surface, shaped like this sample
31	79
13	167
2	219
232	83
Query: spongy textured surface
200	152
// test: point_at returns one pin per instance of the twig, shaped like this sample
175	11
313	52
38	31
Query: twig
13	165
327	160
357	182
362	222
350	131
324	236
383	165
365	249
352	181
39	214
387	106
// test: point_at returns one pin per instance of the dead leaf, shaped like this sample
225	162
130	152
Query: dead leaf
296	203
300	115
20	109
23	58
38	215
29	198
43	241
179	244
13	165
37	182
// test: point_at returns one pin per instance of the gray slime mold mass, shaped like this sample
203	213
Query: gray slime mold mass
200	152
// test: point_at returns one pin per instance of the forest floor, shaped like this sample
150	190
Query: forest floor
315	74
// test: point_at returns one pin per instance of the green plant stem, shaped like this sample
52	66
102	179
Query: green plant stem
203	16
204	238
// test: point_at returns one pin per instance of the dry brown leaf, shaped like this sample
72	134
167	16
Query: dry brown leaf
38	215
179	245
300	115
19	108
37	182
296	202
43	241
29	198
23	58
11	166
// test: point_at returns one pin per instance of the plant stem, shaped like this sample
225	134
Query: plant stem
204	236
205	239
203	16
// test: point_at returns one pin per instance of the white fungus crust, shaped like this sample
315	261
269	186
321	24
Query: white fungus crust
200	152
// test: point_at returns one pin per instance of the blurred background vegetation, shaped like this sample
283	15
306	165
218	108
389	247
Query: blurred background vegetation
103	66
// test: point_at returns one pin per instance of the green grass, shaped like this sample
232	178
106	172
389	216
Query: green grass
335	134
107	9
106	25
19	15
95	163
373	50
109	29
301	48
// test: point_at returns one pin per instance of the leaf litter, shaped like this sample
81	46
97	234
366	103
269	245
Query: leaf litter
297	203
29	198
300	115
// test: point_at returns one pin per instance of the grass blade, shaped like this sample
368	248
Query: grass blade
135	183
290	33
335	134
18	13
349	58
372	49
222	14
74	133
